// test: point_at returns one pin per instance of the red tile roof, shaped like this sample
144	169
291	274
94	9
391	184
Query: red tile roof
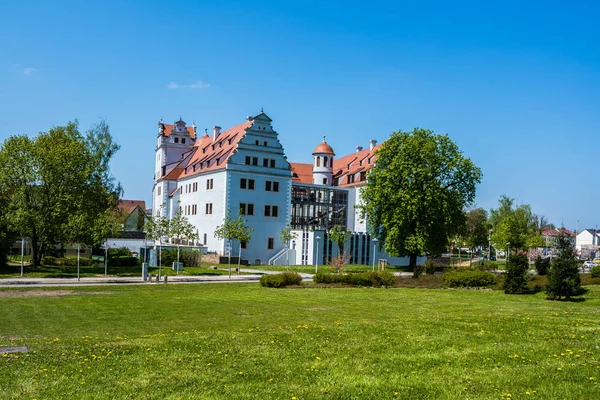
169	127
127	206
557	232
207	155
353	164
302	173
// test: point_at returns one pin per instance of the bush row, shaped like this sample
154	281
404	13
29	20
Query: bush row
66	261
469	279
280	280
375	279
123	261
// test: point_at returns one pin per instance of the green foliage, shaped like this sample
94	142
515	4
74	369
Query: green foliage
190	257
517	226
515	279
563	277
469	279
70	261
542	265
417	191
281	280
58	186
429	267
375	279
124	261
477	228
119	252
234	229
595	272
339	236
286	235
168	257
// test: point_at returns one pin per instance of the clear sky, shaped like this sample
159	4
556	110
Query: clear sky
515	84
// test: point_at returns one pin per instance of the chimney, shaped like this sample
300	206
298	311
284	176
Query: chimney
216	132
358	148
372	144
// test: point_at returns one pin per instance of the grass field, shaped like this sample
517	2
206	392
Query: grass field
242	341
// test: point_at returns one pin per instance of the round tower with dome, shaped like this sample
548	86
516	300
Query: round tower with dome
323	164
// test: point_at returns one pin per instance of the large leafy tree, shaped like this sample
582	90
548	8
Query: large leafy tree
59	184
516	227
417	191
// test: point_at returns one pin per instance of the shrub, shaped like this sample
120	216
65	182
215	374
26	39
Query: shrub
595	271
376	279
119	252
418	271
542	265
515	281
429	267
71	261
469	279
49	260
280	280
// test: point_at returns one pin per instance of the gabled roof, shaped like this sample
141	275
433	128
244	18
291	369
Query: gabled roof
557	232
167	128
208	155
354	163
126	207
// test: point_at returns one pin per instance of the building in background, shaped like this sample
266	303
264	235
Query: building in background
244	170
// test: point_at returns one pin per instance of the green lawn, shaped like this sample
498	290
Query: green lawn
242	341
53	271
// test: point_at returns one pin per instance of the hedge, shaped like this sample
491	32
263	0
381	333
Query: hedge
280	280
375	279
66	261
595	271
469	279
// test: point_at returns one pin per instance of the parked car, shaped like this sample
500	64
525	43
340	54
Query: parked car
587	266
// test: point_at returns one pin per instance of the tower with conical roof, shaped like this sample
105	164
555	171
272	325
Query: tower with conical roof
323	164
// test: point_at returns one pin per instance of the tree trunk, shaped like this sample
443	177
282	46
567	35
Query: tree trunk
412	261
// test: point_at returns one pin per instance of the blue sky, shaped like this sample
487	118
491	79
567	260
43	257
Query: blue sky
515	84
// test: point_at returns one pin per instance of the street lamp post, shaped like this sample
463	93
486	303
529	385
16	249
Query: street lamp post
374	252
317	256
22	254
294	248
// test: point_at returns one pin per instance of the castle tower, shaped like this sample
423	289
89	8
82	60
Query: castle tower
172	142
323	164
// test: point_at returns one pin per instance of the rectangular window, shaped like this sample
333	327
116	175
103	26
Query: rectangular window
324	181
265	143
205	238
183	141
209	208
248	160
244	245
265	162
271	186
254	160
272	163
271	211
256	142
247	184
246	209
209	184
271	243
176	140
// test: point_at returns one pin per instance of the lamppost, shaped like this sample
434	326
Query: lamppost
294	248
317	256
22	254
507	250
374	252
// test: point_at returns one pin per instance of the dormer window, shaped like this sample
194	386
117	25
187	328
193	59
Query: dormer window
230	140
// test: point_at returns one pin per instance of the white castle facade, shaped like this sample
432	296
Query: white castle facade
244	170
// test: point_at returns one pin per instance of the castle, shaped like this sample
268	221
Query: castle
244	170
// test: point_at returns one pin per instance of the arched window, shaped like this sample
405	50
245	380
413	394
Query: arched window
325	161
318	161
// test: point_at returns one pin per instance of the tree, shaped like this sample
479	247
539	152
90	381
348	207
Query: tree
179	227
244	235
233	229
417	191
515	280
477	228
59	183
563	277
286	235
514	227
156	228
340	236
